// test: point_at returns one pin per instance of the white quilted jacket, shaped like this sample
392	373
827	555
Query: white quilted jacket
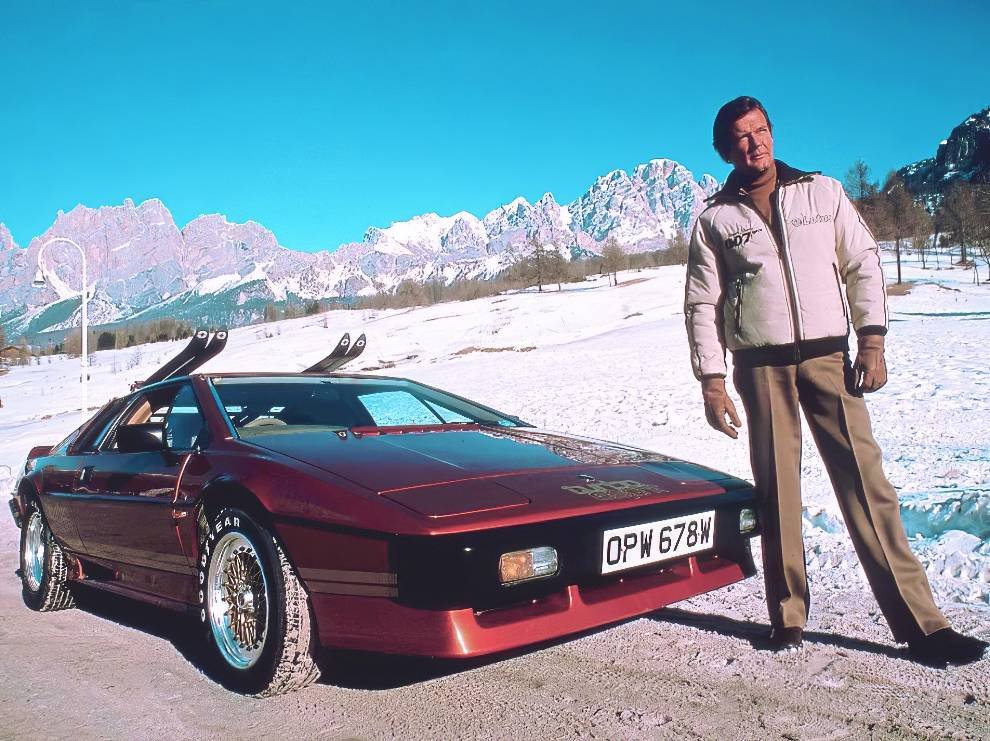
767	299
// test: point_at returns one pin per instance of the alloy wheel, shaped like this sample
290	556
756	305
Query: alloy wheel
34	551
237	593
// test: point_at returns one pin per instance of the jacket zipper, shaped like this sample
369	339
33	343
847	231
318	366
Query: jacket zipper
785	258
788	287
739	293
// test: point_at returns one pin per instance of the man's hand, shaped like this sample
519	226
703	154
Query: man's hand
718	406
870	367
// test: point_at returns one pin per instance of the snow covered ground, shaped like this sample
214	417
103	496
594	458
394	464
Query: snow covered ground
612	363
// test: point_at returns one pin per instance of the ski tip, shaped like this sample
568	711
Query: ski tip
221	334
360	341
202	333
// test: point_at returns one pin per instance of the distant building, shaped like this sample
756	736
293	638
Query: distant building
17	354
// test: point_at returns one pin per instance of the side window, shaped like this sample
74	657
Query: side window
101	426
184	423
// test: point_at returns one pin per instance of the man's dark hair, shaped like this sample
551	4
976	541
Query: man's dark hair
728	115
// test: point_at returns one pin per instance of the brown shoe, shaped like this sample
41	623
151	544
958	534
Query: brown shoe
786	639
945	646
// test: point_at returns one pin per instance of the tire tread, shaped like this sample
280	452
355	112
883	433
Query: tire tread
296	667
58	595
54	593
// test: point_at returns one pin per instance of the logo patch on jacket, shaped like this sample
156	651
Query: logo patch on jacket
740	238
806	219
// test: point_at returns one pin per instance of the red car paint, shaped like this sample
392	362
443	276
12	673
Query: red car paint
349	506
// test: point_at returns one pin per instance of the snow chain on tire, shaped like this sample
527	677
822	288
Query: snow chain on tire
279	660
52	593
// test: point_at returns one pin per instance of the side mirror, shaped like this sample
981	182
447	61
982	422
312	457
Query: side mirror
143	438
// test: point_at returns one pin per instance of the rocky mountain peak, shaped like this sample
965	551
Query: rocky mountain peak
215	271
6	238
964	156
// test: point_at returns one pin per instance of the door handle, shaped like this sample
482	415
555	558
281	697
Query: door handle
85	474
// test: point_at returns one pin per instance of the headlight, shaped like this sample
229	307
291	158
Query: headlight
747	520
531	563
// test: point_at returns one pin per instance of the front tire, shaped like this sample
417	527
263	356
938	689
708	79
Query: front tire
254	608
44	567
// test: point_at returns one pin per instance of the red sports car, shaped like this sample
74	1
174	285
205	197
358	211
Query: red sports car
296	511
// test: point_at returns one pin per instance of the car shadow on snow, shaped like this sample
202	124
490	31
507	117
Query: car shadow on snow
359	670
371	671
340	668
758	634
182	631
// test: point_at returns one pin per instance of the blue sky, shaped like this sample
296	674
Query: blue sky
321	119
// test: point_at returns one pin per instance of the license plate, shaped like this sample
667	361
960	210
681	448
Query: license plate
636	545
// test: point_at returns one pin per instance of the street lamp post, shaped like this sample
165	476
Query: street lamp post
40	280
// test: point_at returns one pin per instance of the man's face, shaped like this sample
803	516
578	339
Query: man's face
752	143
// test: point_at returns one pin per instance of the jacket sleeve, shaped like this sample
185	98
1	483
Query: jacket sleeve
703	306
859	262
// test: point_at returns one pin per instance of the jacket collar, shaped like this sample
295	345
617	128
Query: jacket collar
734	191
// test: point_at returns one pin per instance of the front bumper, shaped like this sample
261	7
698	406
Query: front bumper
376	624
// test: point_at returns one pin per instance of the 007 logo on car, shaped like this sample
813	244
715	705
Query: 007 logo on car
610	491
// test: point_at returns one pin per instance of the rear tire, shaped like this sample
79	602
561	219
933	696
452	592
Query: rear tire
44	567
254	608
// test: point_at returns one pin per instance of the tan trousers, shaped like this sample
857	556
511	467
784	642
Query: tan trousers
840	425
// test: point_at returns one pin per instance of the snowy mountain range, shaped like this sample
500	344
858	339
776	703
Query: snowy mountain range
964	156
142	266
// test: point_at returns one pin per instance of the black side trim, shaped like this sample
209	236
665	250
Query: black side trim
121	499
790	353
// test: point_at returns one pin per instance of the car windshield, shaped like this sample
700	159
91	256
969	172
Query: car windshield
264	403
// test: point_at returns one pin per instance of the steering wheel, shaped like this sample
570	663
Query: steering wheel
265	422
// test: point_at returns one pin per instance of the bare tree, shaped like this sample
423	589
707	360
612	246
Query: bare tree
613	259
901	216
556	268
922	240
961	216
677	249
981	238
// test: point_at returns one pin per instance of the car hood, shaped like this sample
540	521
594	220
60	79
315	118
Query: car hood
452	471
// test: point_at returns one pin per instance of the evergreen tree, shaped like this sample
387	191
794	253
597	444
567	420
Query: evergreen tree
858	183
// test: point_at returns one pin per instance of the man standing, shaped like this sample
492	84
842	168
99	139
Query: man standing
774	261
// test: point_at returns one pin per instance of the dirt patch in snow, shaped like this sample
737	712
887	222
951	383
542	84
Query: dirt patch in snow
473	349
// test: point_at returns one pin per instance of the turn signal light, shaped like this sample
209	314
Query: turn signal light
532	563
747	520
